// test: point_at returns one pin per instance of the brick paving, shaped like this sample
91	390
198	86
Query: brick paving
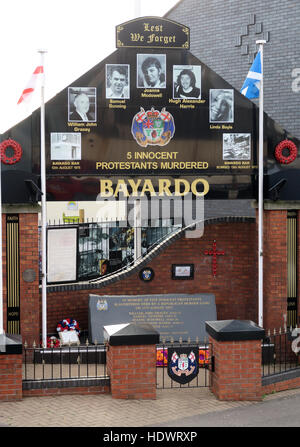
103	411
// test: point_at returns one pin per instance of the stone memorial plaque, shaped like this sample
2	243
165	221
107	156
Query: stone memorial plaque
172	315
29	275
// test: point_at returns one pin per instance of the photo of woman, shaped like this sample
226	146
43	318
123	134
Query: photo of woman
221	106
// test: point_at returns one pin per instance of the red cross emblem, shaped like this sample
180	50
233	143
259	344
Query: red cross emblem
140	117
214	253
166	116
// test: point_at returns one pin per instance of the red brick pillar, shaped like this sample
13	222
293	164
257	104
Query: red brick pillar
275	268
131	361
10	368
28	271
236	349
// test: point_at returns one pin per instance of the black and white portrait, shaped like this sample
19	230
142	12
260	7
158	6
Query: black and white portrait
117	81
221	105
151	71
187	81
236	146
65	146
82	104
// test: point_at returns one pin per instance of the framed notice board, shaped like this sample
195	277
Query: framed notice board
62	254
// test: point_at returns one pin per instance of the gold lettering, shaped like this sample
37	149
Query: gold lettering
134	186
148	187
136	37
121	187
194	187
163	186
186	184
106	185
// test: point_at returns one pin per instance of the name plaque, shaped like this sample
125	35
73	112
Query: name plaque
152	32
172	315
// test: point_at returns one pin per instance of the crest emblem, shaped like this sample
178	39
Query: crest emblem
183	363
147	274
102	305
153	127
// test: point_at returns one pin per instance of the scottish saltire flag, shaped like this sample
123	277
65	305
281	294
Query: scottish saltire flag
251	85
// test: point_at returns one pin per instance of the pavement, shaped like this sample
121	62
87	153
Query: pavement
170	408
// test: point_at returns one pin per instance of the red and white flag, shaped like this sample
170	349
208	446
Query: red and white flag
27	93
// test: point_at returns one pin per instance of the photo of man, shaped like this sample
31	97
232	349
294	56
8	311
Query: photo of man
221	106
82	104
151	71
117	81
187	81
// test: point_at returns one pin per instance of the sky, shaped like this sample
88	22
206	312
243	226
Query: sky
77	35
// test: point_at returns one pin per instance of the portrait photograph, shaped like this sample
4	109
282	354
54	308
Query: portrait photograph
236	146
82	104
221	106
187	81
65	146
151	70
117	81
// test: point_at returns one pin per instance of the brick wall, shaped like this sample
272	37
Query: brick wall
131	378
234	286
29	291
237	374
82	390
281	386
10	377
275	268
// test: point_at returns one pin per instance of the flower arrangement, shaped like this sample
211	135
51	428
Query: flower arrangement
52	342
161	357
68	324
203	357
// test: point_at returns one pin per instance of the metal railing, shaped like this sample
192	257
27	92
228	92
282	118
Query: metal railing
278	352
203	355
64	362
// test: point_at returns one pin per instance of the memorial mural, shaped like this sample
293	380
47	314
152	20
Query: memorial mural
149	113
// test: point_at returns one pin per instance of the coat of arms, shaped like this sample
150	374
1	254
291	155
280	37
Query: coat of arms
183	364
153	127
102	305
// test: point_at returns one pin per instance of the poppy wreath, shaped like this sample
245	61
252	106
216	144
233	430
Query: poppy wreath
68	324
286	144
16	155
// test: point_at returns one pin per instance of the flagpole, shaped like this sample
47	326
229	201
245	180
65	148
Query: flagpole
260	189
44	211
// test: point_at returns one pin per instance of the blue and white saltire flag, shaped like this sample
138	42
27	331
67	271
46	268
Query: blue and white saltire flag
251	85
